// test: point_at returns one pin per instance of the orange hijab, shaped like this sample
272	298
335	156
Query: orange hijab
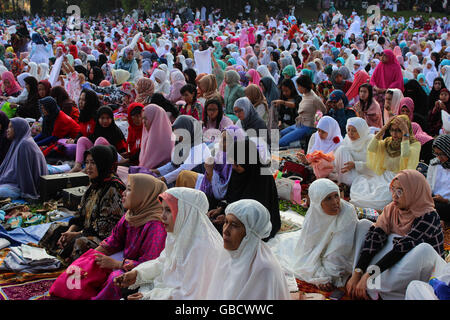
418	203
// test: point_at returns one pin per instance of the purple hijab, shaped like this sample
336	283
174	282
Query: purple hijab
4	143
24	163
218	185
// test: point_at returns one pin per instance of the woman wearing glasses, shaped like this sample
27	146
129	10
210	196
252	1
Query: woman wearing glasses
386	157
405	244
438	176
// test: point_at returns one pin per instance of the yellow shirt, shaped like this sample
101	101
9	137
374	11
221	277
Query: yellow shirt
379	161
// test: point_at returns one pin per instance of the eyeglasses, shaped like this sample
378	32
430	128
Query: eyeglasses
397	192
438	154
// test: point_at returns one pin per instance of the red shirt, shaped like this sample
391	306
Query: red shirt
65	127
87	128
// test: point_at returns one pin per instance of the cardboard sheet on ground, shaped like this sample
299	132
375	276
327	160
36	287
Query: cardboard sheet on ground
26	235
203	61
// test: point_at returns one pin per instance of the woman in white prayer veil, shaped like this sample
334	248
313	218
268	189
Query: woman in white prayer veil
239	60
250	270
193	248
182	60
325	249
169	58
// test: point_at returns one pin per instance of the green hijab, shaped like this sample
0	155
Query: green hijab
290	71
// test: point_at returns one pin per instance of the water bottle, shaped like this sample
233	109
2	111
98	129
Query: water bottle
296	194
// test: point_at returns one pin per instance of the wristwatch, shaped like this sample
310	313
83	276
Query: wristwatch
359	270
406	135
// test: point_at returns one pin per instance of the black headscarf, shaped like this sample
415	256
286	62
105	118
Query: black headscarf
30	109
98	76
50	105
194	128
251	184
191	75
4	142
434	95
168	106
91	106
81	69
105	158
112	133
271	91
219	115
102	59
414	90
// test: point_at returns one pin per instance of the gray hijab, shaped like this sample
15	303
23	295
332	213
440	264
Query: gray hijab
24	163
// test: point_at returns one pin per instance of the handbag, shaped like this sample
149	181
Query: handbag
285	185
6	108
82	280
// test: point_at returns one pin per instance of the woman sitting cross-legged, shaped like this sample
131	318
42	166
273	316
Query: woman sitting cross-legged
351	155
106	132
385	158
192	250
140	233
101	209
56	124
247	181
405	244
189	152
325	250
247	258
23	164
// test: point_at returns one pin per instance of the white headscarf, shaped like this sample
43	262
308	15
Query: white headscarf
21	78
324	252
192	250
182	60
430	74
43	72
264	72
164	86
413	63
329	125
446	76
358	147
251	272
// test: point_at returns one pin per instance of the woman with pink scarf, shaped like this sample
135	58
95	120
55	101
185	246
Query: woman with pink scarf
387	74
406	107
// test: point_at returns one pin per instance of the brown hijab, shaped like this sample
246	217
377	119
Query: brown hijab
255	95
145	89
419	202
144	197
393	148
209	82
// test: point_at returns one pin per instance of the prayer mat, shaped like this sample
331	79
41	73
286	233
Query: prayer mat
306	287
31	290
447	239
287	153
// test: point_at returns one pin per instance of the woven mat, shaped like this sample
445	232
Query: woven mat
31	290
306	287
447	239
285	153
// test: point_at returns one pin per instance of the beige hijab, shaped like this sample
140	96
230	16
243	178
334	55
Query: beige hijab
418	199
210	83
144	197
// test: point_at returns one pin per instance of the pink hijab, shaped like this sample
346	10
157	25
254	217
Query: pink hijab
421	136
13	87
419	202
256	78
361	77
397	51
388	74
409	103
156	143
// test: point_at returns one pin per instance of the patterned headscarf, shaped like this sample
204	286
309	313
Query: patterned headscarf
442	142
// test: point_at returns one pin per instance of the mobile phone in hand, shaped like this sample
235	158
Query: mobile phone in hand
337	295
